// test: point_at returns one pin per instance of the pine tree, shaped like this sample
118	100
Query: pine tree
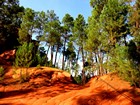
113	19
107	27
27	26
25	57
135	21
135	24
41	58
10	20
96	42
52	35
66	33
134	45
79	37
41	22
70	55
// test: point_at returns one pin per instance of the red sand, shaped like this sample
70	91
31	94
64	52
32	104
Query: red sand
48	86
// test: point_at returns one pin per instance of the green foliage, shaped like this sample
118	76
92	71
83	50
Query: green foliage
51	34
25	55
41	25
66	34
97	41
27	26
79	37
1	70
106	27
107	33
113	18
70	53
1	73
134	21
41	58
10	19
68	23
125	66
79	30
78	79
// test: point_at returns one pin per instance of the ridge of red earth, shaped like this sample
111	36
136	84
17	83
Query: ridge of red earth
50	86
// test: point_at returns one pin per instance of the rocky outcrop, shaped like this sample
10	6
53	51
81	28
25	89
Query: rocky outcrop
7	57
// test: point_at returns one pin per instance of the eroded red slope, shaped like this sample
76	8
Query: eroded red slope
48	86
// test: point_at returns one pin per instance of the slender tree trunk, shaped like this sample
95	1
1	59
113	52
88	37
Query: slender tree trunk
107	64
48	51
100	63
70	63
96	60
59	58
63	63
83	59
78	55
83	70
56	55
92	56
52	47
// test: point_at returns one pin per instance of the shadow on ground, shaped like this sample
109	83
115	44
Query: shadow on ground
14	93
106	97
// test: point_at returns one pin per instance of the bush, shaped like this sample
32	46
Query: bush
1	73
78	79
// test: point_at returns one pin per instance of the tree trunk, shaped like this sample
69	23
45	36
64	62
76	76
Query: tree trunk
78	55
96	59
63	63
52	47
83	70
56	55
48	51
106	70
100	63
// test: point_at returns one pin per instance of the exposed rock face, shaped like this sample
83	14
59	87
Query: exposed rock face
7	57
50	75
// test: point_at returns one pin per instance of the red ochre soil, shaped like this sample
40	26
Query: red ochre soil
50	86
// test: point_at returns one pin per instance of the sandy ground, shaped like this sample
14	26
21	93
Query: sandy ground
48	86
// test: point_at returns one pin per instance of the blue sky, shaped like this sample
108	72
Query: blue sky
61	7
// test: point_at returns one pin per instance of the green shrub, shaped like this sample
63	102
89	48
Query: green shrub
78	79
25	57
125	66
1	73
41	59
